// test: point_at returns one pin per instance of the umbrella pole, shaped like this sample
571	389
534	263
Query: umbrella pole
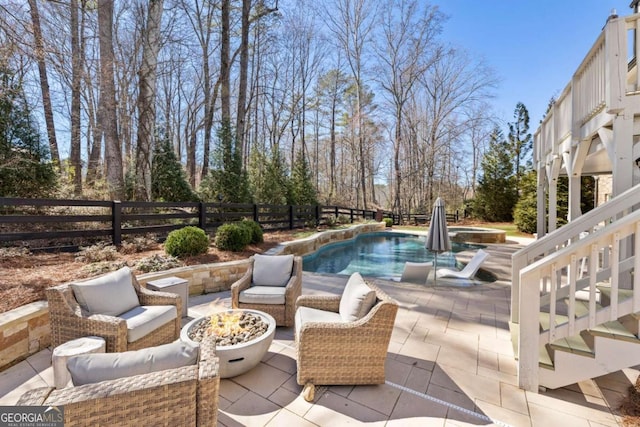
435	269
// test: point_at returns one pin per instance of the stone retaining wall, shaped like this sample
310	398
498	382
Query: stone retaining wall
25	330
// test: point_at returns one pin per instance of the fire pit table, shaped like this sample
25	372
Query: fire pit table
244	337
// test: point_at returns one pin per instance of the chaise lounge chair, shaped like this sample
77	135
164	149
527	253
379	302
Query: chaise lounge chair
416	272
468	271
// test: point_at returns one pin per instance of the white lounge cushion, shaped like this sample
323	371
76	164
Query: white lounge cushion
307	315
144	319
96	367
111	294
272	270
263	295
357	299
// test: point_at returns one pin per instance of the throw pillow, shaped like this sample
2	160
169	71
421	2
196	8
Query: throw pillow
357	299
96	367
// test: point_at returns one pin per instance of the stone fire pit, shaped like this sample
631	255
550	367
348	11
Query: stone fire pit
238	352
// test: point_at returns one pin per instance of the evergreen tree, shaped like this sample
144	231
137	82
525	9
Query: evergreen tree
520	140
525	214
496	194
268	178
168	179
302	189
227	181
25	166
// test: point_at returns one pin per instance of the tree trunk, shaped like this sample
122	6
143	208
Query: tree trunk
147	99
94	134
396	164
44	83
242	84
113	152
76	81
225	63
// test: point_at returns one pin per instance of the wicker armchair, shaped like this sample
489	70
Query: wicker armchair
185	396
70	321
335	352
282	311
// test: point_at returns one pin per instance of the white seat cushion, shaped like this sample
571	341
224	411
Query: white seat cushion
272	270
145	319
357	299
96	367
263	295
308	314
111	294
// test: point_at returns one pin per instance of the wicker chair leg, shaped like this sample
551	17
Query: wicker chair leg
308	392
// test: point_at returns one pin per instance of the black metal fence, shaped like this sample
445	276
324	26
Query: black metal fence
65	223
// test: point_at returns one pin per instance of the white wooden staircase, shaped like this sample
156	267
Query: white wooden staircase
571	325
575	299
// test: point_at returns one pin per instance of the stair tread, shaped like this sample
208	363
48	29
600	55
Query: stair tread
582	308
544	359
545	321
613	329
622	293
573	344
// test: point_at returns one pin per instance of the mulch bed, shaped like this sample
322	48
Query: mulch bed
24	278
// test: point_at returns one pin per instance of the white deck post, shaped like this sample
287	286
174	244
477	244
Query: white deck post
529	337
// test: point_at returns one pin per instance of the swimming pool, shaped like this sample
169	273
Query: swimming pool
380	254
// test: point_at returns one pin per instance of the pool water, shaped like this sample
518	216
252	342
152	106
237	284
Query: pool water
380	254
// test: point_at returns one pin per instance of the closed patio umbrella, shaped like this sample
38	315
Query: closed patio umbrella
438	236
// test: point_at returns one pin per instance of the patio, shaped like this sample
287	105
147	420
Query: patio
450	362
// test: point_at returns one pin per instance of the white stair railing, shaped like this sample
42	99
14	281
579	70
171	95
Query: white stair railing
551	280
563	236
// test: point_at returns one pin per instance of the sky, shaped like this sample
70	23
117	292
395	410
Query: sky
534	46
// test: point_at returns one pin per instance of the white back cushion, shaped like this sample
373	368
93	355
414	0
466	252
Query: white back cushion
96	367
111	294
272	270
357	299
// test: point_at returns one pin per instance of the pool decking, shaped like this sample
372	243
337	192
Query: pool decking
450	363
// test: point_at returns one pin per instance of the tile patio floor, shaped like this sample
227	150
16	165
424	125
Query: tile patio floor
450	363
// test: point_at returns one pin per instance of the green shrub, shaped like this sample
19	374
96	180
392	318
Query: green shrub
186	241
246	230
256	231
232	237
387	221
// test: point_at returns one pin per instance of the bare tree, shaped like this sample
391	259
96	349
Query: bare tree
113	152
351	23
147	98
405	51
44	83
456	82
332	86
225	61
76	82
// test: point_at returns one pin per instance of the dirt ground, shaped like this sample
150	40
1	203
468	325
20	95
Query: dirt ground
23	278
